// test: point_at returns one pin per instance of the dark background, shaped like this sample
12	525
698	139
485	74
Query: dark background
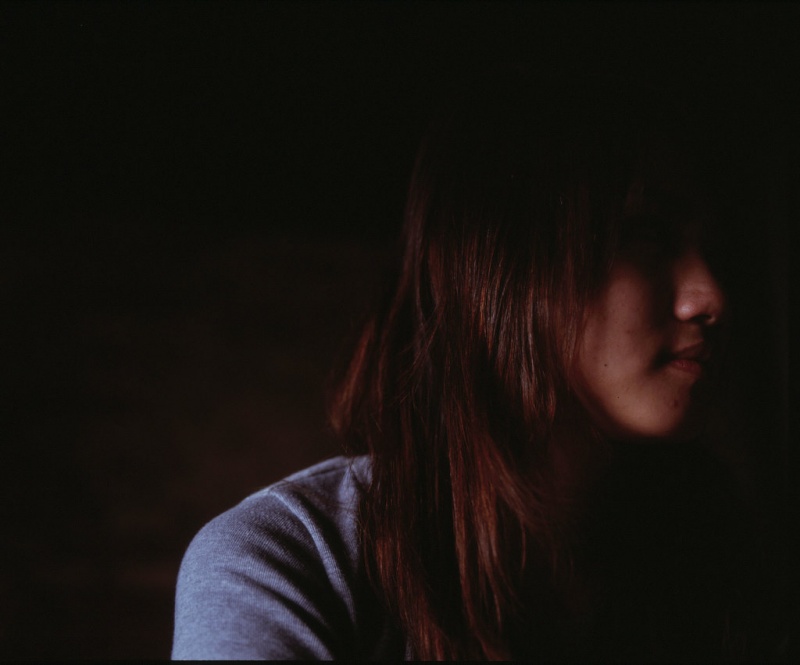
196	205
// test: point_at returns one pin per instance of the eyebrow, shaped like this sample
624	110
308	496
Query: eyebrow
666	203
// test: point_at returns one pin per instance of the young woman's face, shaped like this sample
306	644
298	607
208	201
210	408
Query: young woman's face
649	345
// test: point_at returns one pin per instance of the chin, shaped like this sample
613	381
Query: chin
677	432
661	430
682	435
684	420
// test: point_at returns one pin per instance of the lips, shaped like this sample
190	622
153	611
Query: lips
692	359
700	352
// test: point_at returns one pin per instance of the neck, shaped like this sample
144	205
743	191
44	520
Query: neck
586	469
580	462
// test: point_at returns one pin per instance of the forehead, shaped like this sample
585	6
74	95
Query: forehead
669	180
670	202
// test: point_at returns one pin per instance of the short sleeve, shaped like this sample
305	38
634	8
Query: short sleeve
279	577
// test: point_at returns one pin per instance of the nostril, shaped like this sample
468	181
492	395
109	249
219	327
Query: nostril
704	306
708	319
699	296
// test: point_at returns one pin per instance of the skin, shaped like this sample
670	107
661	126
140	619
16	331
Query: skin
660	297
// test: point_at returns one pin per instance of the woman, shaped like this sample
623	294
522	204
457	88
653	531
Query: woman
524	415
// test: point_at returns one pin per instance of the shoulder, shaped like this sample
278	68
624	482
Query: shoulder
280	575
320	502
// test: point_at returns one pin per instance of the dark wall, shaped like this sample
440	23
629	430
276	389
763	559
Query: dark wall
196	205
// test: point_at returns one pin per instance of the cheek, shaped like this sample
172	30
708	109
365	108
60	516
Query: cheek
623	324
615	375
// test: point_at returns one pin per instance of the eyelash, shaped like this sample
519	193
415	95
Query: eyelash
646	229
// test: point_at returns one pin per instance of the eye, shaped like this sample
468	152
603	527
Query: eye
647	231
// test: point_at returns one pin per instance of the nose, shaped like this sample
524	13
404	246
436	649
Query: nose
699	297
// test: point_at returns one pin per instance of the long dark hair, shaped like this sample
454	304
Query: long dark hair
458	381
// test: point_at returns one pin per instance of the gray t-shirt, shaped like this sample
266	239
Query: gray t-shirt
281	576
